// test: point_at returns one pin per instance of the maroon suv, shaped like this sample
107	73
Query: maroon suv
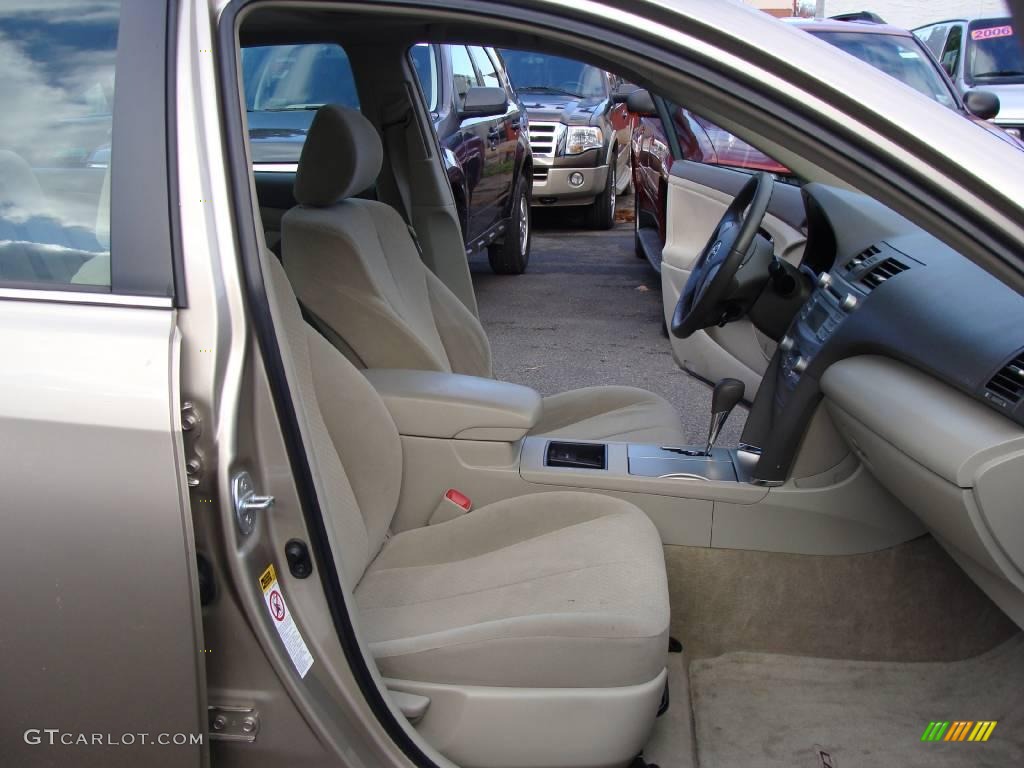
895	51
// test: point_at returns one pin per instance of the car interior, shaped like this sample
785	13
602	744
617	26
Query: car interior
850	571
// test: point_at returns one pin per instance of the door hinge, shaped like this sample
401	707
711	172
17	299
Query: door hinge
233	723
191	428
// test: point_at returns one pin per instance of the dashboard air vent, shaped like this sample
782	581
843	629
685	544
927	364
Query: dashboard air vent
861	257
1008	383
884	270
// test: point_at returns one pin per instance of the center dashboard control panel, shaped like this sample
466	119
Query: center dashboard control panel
813	326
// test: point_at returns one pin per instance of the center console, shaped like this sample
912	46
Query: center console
657	461
681	463
471	439
652	467
817	321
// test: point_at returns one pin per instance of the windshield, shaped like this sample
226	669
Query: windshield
540	73
993	53
284	86
297	77
901	57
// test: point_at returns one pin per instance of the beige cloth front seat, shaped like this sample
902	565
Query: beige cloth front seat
355	267
536	626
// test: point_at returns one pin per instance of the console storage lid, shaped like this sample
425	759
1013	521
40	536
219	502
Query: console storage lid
450	405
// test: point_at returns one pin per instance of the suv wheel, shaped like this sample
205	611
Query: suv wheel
601	214
512	254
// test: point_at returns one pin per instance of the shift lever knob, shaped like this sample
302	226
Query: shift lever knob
727	395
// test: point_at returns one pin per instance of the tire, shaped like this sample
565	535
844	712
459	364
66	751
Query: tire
601	213
512	254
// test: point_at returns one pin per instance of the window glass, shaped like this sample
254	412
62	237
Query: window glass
898	56
424	61
55	141
485	66
701	141
462	72
934	37
995	54
730	151
541	73
284	87
951	53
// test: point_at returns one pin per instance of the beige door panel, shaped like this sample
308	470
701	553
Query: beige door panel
738	350
102	630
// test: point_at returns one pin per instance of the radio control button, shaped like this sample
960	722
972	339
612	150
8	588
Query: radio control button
786	344
801	364
849	302
824	280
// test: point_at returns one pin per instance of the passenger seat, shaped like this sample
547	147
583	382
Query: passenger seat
355	267
536	627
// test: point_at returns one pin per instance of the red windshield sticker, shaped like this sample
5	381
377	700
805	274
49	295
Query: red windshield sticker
989	32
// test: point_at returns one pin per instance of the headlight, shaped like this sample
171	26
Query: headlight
582	138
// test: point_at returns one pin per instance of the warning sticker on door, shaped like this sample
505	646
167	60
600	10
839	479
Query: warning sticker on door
283	622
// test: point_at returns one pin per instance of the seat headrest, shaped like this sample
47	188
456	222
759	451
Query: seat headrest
341	157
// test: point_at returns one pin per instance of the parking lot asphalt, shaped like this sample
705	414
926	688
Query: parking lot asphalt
588	312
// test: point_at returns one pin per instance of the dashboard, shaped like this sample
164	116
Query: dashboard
886	287
897	291
918	355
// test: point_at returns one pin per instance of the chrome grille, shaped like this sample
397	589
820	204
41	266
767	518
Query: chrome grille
544	138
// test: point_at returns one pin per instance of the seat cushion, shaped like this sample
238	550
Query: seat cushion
617	414
547	590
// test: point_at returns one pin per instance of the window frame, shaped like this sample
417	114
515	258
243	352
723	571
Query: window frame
144	222
943	29
956	29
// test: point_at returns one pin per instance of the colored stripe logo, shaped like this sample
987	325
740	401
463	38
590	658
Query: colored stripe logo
959	730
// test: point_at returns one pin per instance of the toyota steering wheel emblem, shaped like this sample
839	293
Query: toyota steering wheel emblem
714	250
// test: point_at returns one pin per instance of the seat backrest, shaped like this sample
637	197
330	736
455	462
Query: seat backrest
355	266
354	449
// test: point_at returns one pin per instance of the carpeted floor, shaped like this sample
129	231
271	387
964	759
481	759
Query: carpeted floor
908	603
764	710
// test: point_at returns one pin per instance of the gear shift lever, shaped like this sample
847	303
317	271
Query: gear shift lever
727	394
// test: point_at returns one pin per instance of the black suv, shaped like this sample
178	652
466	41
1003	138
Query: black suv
580	132
480	123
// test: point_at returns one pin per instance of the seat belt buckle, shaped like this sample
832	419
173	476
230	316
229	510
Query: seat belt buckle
453	504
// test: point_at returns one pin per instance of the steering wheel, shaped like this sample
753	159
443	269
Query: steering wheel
732	270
